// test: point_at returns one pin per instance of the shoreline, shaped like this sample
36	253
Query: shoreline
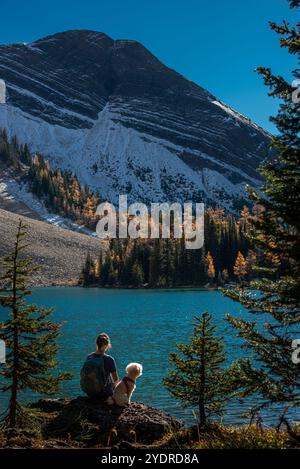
124	287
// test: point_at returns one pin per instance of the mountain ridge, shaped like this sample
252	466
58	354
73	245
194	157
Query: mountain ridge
110	111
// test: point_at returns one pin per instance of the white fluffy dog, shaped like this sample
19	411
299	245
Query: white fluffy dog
125	388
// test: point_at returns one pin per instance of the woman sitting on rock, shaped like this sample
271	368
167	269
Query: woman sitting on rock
98	376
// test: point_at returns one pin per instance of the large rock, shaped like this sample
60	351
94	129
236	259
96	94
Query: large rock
92	422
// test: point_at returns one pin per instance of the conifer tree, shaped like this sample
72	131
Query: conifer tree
211	273
88	271
154	263
276	234
198	376
225	275
240	267
137	275
112	275
251	261
25	155
28	332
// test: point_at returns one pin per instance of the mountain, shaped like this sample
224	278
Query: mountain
60	253
111	112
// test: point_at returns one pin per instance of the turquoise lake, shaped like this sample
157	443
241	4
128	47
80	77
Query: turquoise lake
144	326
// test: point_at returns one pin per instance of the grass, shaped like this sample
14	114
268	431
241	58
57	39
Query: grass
219	436
249	437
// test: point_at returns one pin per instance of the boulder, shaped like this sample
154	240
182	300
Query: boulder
91	422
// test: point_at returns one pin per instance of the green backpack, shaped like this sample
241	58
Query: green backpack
92	375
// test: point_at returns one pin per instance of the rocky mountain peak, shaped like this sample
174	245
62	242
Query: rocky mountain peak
110	111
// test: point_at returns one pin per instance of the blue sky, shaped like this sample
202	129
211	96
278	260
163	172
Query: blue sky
216	43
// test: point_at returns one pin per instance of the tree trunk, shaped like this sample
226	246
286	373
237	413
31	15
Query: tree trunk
202	414
12	416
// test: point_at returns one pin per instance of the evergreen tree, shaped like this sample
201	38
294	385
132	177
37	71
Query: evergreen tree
251	261
166	265
88	271
240	267
29	334
137	275
225	275
199	377
154	263
211	273
25	155
276	234
4	147
112	275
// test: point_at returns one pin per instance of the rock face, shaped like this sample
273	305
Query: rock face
90	422
125	123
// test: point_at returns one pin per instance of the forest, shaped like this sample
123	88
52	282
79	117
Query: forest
225	255
59	190
163	263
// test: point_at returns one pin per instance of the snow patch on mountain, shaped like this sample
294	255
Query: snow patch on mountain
116	159
10	189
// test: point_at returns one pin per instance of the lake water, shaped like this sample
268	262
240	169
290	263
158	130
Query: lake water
144	326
